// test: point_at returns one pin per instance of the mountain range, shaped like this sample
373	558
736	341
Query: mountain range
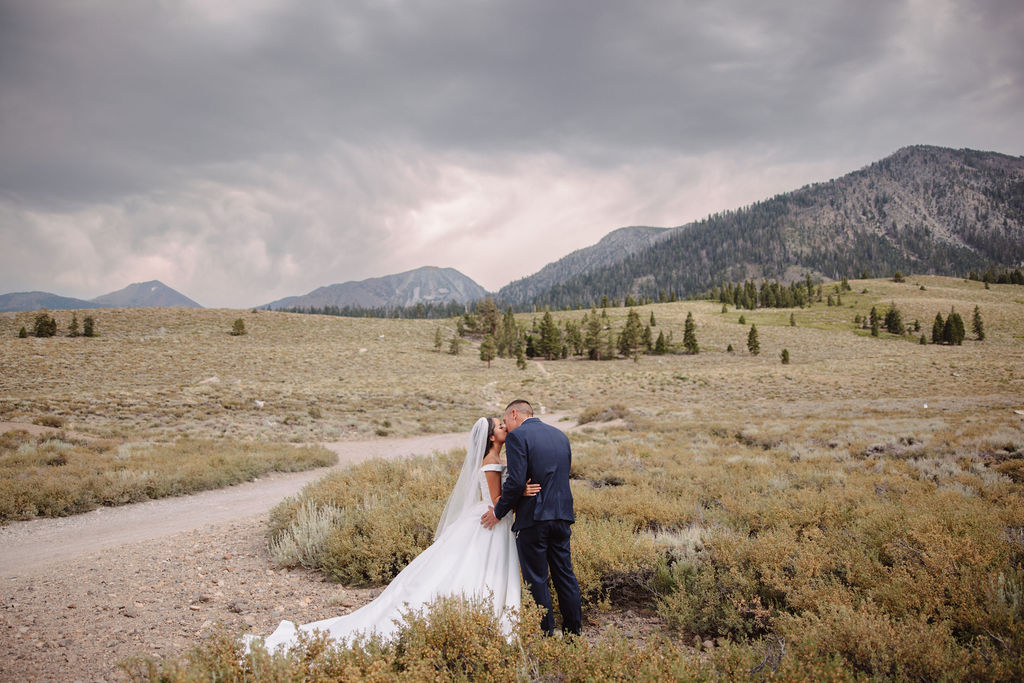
138	295
923	209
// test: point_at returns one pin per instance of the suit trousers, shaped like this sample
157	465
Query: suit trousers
542	547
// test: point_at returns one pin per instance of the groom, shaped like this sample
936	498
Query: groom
538	452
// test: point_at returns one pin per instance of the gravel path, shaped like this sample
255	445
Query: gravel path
81	594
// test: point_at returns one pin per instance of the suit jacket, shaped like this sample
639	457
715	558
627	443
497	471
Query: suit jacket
541	453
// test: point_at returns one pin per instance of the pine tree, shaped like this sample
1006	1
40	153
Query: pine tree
632	334
45	326
690	335
938	327
729	349
874	327
661	346
898	277
438	341
873	318
531	347
609	344
977	325
792	320
488	349
22	333
894	320
454	345
573	338
238	328
487	316
924	340
509	335
592	335
648	339
653	323
520	359
88	326
753	345
73	327
742	320
785	356
550	344
953	333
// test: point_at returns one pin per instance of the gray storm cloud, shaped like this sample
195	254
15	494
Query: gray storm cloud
246	151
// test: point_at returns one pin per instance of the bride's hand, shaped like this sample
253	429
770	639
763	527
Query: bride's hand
531	489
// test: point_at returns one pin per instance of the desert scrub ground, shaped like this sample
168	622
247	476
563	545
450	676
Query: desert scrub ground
162	374
856	513
55	475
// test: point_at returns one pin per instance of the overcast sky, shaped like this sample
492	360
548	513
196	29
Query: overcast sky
242	151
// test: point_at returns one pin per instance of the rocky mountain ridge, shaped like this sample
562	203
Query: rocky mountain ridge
426	285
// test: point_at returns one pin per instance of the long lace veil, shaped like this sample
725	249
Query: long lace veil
467	488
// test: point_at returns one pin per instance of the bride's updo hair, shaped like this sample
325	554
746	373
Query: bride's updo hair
487	439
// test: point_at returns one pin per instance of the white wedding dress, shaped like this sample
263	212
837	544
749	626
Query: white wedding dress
465	559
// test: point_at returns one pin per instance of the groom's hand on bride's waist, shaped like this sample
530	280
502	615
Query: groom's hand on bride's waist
488	520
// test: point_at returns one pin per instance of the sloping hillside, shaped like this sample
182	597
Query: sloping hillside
921	210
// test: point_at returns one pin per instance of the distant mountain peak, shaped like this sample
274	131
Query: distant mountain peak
151	294
426	285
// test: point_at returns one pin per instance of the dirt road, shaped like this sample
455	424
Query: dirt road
39	542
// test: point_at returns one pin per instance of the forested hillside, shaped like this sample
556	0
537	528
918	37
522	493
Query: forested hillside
613	248
922	210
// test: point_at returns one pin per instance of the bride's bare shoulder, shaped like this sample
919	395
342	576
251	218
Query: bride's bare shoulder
490	459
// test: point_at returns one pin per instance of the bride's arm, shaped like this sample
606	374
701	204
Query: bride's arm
493	485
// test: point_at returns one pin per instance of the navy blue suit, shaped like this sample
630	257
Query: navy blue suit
541	453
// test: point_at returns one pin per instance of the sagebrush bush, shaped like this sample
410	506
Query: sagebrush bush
604	413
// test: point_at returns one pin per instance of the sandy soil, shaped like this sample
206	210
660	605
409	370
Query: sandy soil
82	594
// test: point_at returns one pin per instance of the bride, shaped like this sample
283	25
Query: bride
465	558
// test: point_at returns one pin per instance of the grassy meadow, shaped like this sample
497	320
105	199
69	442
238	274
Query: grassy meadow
858	512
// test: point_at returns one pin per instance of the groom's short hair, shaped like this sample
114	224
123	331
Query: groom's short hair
521	405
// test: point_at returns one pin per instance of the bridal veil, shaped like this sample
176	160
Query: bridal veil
467	488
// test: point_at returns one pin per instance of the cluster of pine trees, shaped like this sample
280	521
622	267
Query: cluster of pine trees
593	336
45	325
951	329
772	294
998	277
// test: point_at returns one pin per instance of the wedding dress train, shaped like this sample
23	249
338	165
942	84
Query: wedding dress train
465	559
